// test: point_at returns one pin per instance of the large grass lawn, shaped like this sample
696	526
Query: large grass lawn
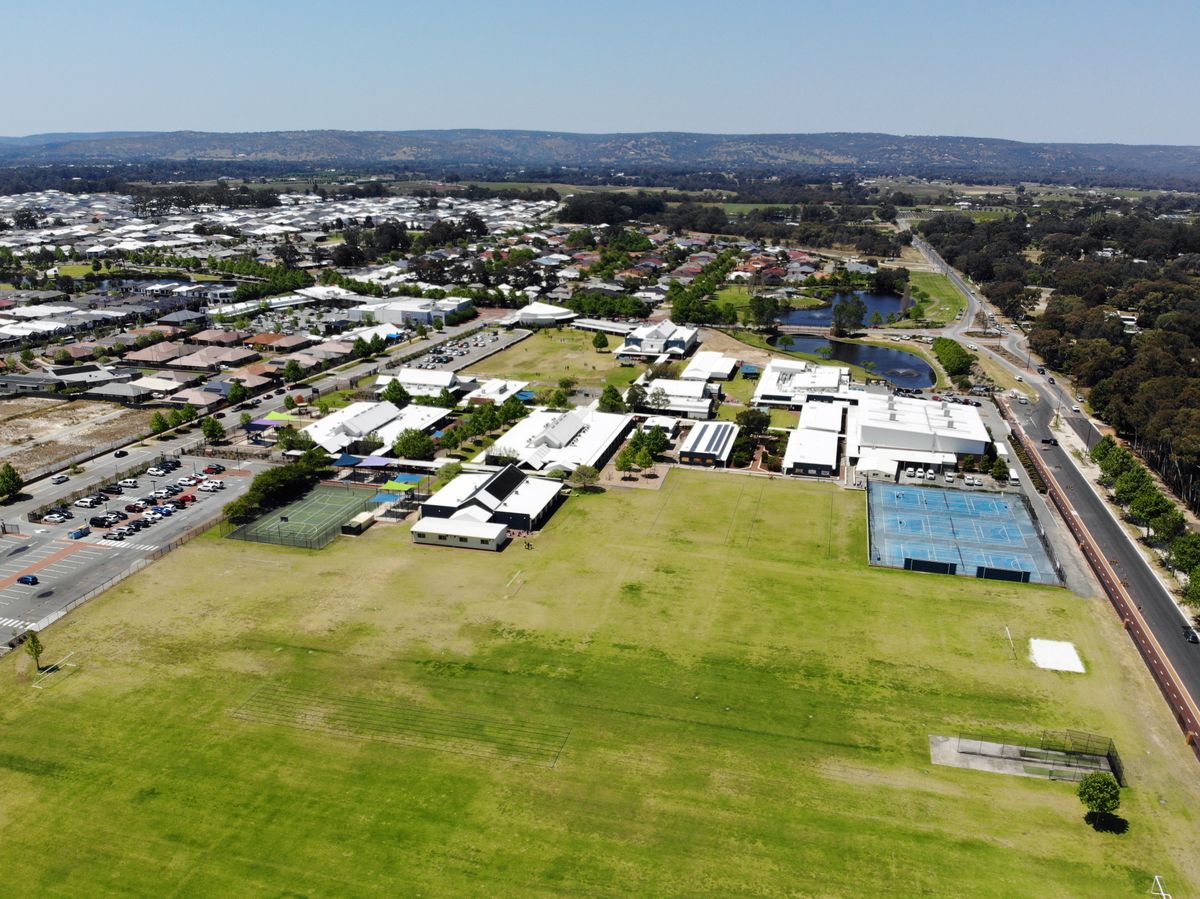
550	354
946	301
699	690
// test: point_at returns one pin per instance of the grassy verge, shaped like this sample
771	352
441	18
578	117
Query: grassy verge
716	696
550	355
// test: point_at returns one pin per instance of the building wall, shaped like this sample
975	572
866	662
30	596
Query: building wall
459	542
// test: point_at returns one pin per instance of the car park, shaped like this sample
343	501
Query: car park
29	580
59	479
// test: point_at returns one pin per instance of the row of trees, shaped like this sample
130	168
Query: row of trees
1135	490
954	359
279	486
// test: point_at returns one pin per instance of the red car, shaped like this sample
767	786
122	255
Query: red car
187	498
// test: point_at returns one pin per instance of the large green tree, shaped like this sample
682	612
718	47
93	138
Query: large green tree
1100	793
10	481
414	444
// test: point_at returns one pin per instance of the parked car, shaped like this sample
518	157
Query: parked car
187	498
220	485
98	521
29	580
135	507
208	487
156	472
118	514
59	479
214	468
949	477
54	518
931	475
187	481
86	503
128	482
139	524
114	536
151	515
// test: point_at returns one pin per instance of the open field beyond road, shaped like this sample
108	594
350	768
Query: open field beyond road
551	354
699	690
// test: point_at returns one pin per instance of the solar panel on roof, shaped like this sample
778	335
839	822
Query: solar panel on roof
504	482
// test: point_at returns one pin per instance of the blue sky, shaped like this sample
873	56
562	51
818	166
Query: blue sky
1068	71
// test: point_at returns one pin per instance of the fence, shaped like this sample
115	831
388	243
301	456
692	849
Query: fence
1183	706
1058	755
304	536
137	566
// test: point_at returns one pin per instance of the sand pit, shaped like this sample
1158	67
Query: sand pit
1057	655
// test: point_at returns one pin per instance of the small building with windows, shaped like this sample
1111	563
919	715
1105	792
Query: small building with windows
461	533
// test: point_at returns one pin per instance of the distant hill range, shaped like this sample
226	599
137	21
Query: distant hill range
867	154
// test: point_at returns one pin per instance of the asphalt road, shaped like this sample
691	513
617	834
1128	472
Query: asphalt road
1158	607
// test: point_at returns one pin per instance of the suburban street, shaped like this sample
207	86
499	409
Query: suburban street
1158	607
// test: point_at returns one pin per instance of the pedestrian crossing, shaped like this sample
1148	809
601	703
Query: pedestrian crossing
14	624
126	544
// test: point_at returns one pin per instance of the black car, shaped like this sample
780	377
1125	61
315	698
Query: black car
98	521
113	488
1189	634
118	514
139	524
120	454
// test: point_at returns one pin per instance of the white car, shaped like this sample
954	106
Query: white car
54	518
127	482
931	475
208	487
1076	408
152	516
85	503
220	485
949	477
908	472
186	482
156	472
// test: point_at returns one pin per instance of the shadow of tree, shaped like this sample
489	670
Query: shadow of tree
1104	822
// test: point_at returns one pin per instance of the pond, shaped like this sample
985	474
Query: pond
899	367
822	317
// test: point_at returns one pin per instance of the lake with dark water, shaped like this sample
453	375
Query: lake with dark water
899	367
822	317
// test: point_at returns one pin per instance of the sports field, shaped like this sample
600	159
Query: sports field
322	509
698	690
551	354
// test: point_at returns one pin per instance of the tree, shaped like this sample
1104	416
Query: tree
657	399
644	460
624	462
244	419
600	341
62	357
1191	595
33	646
657	441
1149	503
583	477
848	315
188	412
289	402
159	423
447	473
999	469
394	393
610	400
238	392
566	383
26	356
1185	551
212	430
10	481
292	371
876	319
414	444
1130	483
635	397
753	421
1168	525
1100	793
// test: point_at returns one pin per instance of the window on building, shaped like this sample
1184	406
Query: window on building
462	539
441	536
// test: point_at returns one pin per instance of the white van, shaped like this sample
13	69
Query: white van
1012	476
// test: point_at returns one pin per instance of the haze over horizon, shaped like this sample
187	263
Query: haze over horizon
1080	75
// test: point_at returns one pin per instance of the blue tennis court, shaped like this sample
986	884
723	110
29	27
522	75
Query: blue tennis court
926	527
